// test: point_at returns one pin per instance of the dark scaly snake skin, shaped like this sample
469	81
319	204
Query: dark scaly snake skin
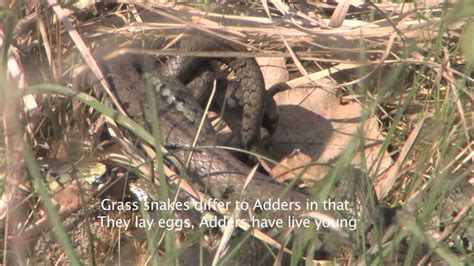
248	97
215	171
220	174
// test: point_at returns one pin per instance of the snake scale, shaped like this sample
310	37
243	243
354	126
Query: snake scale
248	97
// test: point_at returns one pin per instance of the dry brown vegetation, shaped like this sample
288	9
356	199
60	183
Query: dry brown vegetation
385	88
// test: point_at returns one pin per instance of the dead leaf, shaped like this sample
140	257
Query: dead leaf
314	122
296	164
274	70
70	200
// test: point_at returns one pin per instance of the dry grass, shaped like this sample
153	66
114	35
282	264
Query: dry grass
409	65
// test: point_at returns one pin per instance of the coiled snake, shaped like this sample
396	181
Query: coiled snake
214	170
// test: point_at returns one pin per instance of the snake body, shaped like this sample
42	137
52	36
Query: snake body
247	97
215	171
218	172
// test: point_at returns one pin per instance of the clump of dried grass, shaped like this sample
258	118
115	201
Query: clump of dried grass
361	42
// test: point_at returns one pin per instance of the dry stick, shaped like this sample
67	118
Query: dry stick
339	14
462	117
135	14
47	45
448	74
234	217
384	184
466	159
288	47
201	124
